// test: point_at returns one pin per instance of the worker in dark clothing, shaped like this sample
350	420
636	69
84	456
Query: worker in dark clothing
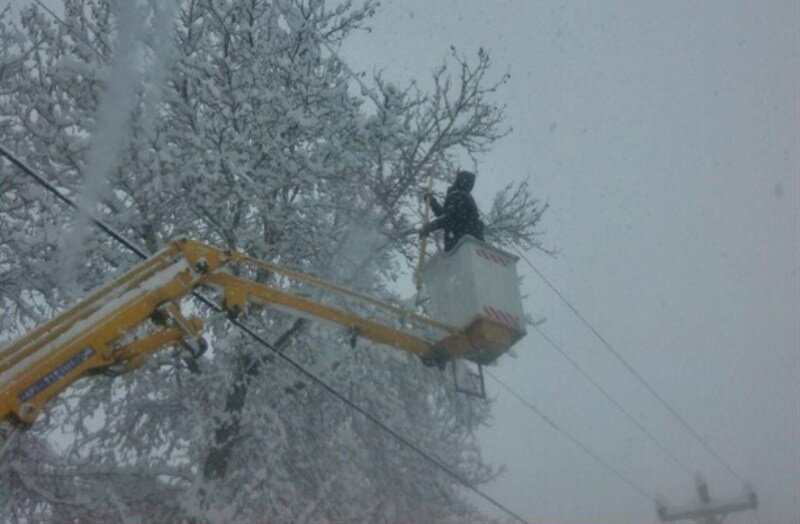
459	215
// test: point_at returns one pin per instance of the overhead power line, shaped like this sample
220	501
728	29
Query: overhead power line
261	340
86	40
633	371
54	190
616	404
586	449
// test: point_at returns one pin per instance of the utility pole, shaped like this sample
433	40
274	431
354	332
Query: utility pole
706	511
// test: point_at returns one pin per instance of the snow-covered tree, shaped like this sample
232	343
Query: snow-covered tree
243	128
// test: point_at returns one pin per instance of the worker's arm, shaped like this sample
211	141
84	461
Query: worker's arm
445	214
451	212
436	207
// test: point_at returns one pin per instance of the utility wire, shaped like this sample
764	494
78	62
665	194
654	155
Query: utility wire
52	189
86	40
611	399
633	371
328	388
586	449
261	340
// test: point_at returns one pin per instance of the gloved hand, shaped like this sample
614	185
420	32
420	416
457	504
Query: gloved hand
427	229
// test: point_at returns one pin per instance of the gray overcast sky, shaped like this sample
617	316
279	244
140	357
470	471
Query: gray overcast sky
665	136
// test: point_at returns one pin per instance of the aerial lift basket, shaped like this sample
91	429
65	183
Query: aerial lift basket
475	287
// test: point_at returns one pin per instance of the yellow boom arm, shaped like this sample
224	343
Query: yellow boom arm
117	326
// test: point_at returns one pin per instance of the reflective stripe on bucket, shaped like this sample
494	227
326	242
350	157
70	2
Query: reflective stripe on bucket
491	257
503	317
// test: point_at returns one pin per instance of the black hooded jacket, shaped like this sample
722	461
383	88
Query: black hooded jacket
459	215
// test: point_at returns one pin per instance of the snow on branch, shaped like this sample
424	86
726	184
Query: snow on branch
515	216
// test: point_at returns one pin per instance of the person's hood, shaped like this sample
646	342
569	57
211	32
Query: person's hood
465	181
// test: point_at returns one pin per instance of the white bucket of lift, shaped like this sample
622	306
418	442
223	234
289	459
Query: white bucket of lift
475	287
